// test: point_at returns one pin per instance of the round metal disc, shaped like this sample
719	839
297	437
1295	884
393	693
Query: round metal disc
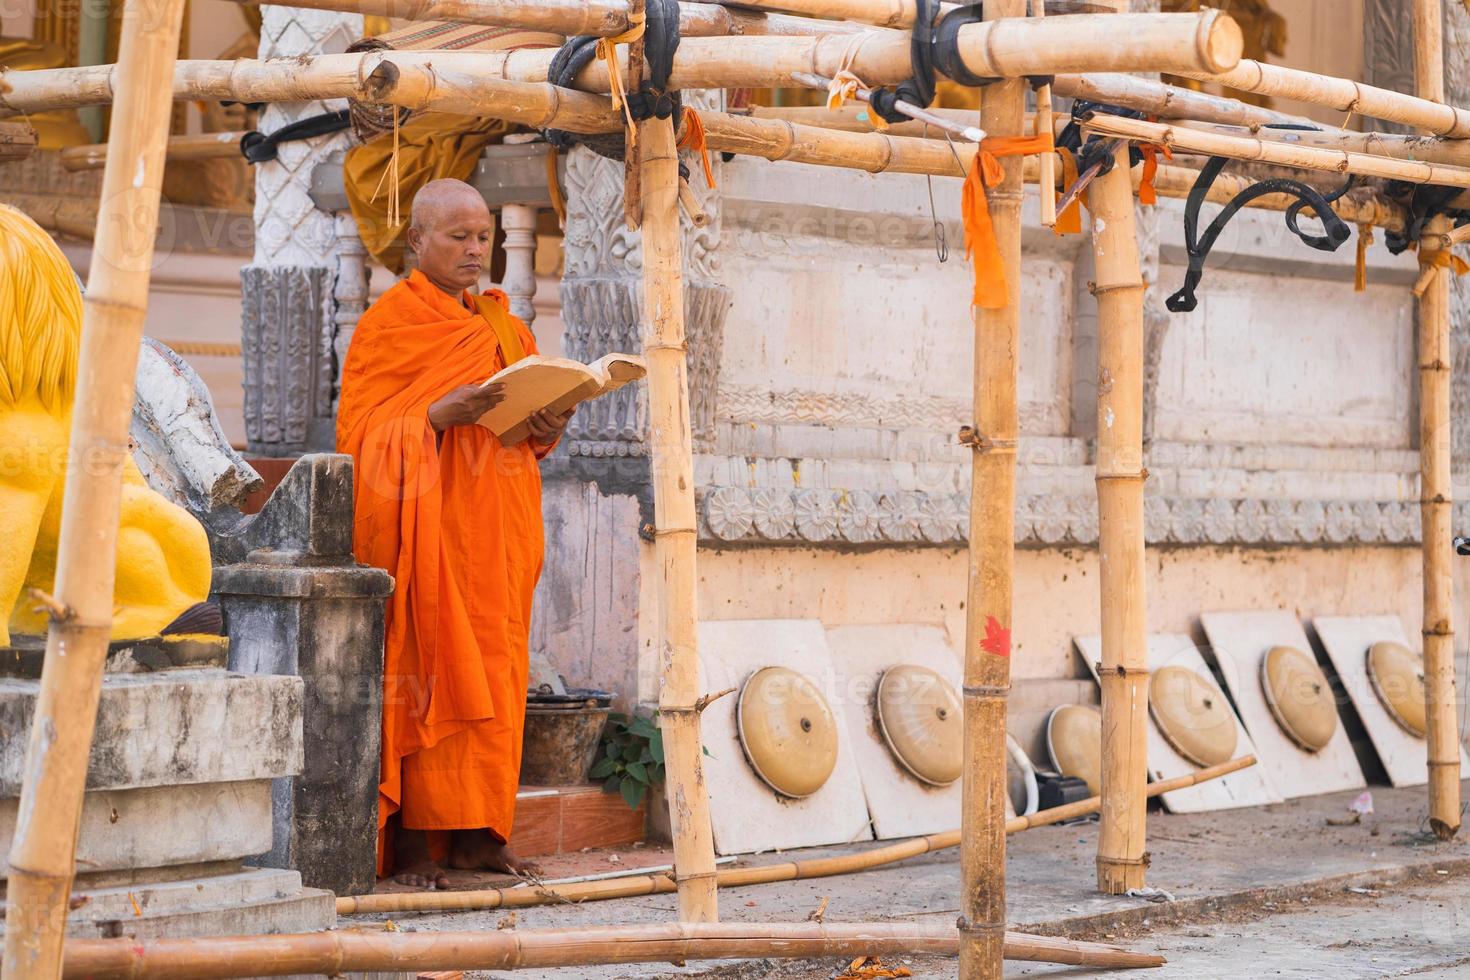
1397	674
1074	742
921	719
1299	697
1193	716
787	731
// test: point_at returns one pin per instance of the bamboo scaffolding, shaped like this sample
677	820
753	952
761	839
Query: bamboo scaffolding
17	141
43	852
898	13
675	528
1121	862
603	18
1341	94
992	441
1009	48
336	953
1171	101
1043	124
198	146
1435	490
1266	151
658	884
1423	149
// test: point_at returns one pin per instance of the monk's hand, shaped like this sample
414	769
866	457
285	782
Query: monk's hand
464	405
547	426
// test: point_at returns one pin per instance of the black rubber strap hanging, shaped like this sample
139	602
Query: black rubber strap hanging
258	147
919	89
652	100
1198	246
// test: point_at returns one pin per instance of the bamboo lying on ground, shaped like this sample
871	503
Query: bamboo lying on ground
198	146
995	368
1339	93
1442	742
42	859
1010	48
599	17
1252	148
339	952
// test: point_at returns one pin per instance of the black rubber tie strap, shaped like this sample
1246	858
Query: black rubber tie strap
258	147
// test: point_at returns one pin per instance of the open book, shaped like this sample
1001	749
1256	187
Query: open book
555	383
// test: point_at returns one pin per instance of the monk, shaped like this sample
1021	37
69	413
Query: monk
455	517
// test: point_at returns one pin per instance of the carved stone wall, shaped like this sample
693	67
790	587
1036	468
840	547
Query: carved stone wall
289	335
602	302
1457	89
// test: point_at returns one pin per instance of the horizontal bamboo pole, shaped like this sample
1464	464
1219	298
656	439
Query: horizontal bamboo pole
1171	101
1424	149
198	146
596	17
1341	94
898	13
338	952
1009	48
494	898
1252	148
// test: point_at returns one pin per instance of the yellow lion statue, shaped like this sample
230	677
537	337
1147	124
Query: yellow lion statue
163	565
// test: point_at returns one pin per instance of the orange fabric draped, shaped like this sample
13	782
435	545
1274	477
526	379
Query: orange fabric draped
1146	192
980	246
456	519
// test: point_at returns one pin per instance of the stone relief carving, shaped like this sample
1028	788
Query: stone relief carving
807	515
286	358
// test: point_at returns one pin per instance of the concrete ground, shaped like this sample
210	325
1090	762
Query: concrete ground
1273	891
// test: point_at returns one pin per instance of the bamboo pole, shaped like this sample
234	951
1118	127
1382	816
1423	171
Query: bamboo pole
809	868
1009	48
997	340
899	13
1266	151
1121	863
340	952
1435	491
603	18
1343	95
1424	149
671	447
17	141
43	852
1043	124
198	146
1171	101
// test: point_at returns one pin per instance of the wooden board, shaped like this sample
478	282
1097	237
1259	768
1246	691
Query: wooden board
746	814
900	805
1240	642
1347	639
1248	787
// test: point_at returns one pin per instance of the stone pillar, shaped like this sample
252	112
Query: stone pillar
597	490
519	222
287	318
296	602
350	294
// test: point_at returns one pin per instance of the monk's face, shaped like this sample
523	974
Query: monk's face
453	244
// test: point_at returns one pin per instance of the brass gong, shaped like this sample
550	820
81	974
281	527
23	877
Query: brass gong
922	721
1193	716
1299	697
1074	742
1397	674
787	731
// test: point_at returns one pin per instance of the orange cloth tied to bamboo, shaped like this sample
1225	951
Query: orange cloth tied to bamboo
1443	258
1146	192
694	139
456	519
980	246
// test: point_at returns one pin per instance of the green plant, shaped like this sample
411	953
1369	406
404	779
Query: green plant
631	758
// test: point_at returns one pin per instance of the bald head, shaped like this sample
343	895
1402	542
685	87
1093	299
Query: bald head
450	230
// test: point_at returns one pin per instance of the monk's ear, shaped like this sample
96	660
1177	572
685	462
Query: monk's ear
415	239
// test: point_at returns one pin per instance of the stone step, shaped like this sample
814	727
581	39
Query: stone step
161	826
171	728
26	654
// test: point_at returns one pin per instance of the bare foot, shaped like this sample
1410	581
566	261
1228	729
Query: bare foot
412	864
480	850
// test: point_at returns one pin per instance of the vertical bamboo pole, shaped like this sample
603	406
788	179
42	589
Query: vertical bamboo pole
992	551
1434	475
671	448
42	855
1048	193
1120	476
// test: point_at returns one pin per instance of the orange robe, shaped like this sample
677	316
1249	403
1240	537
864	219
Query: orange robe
457	521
